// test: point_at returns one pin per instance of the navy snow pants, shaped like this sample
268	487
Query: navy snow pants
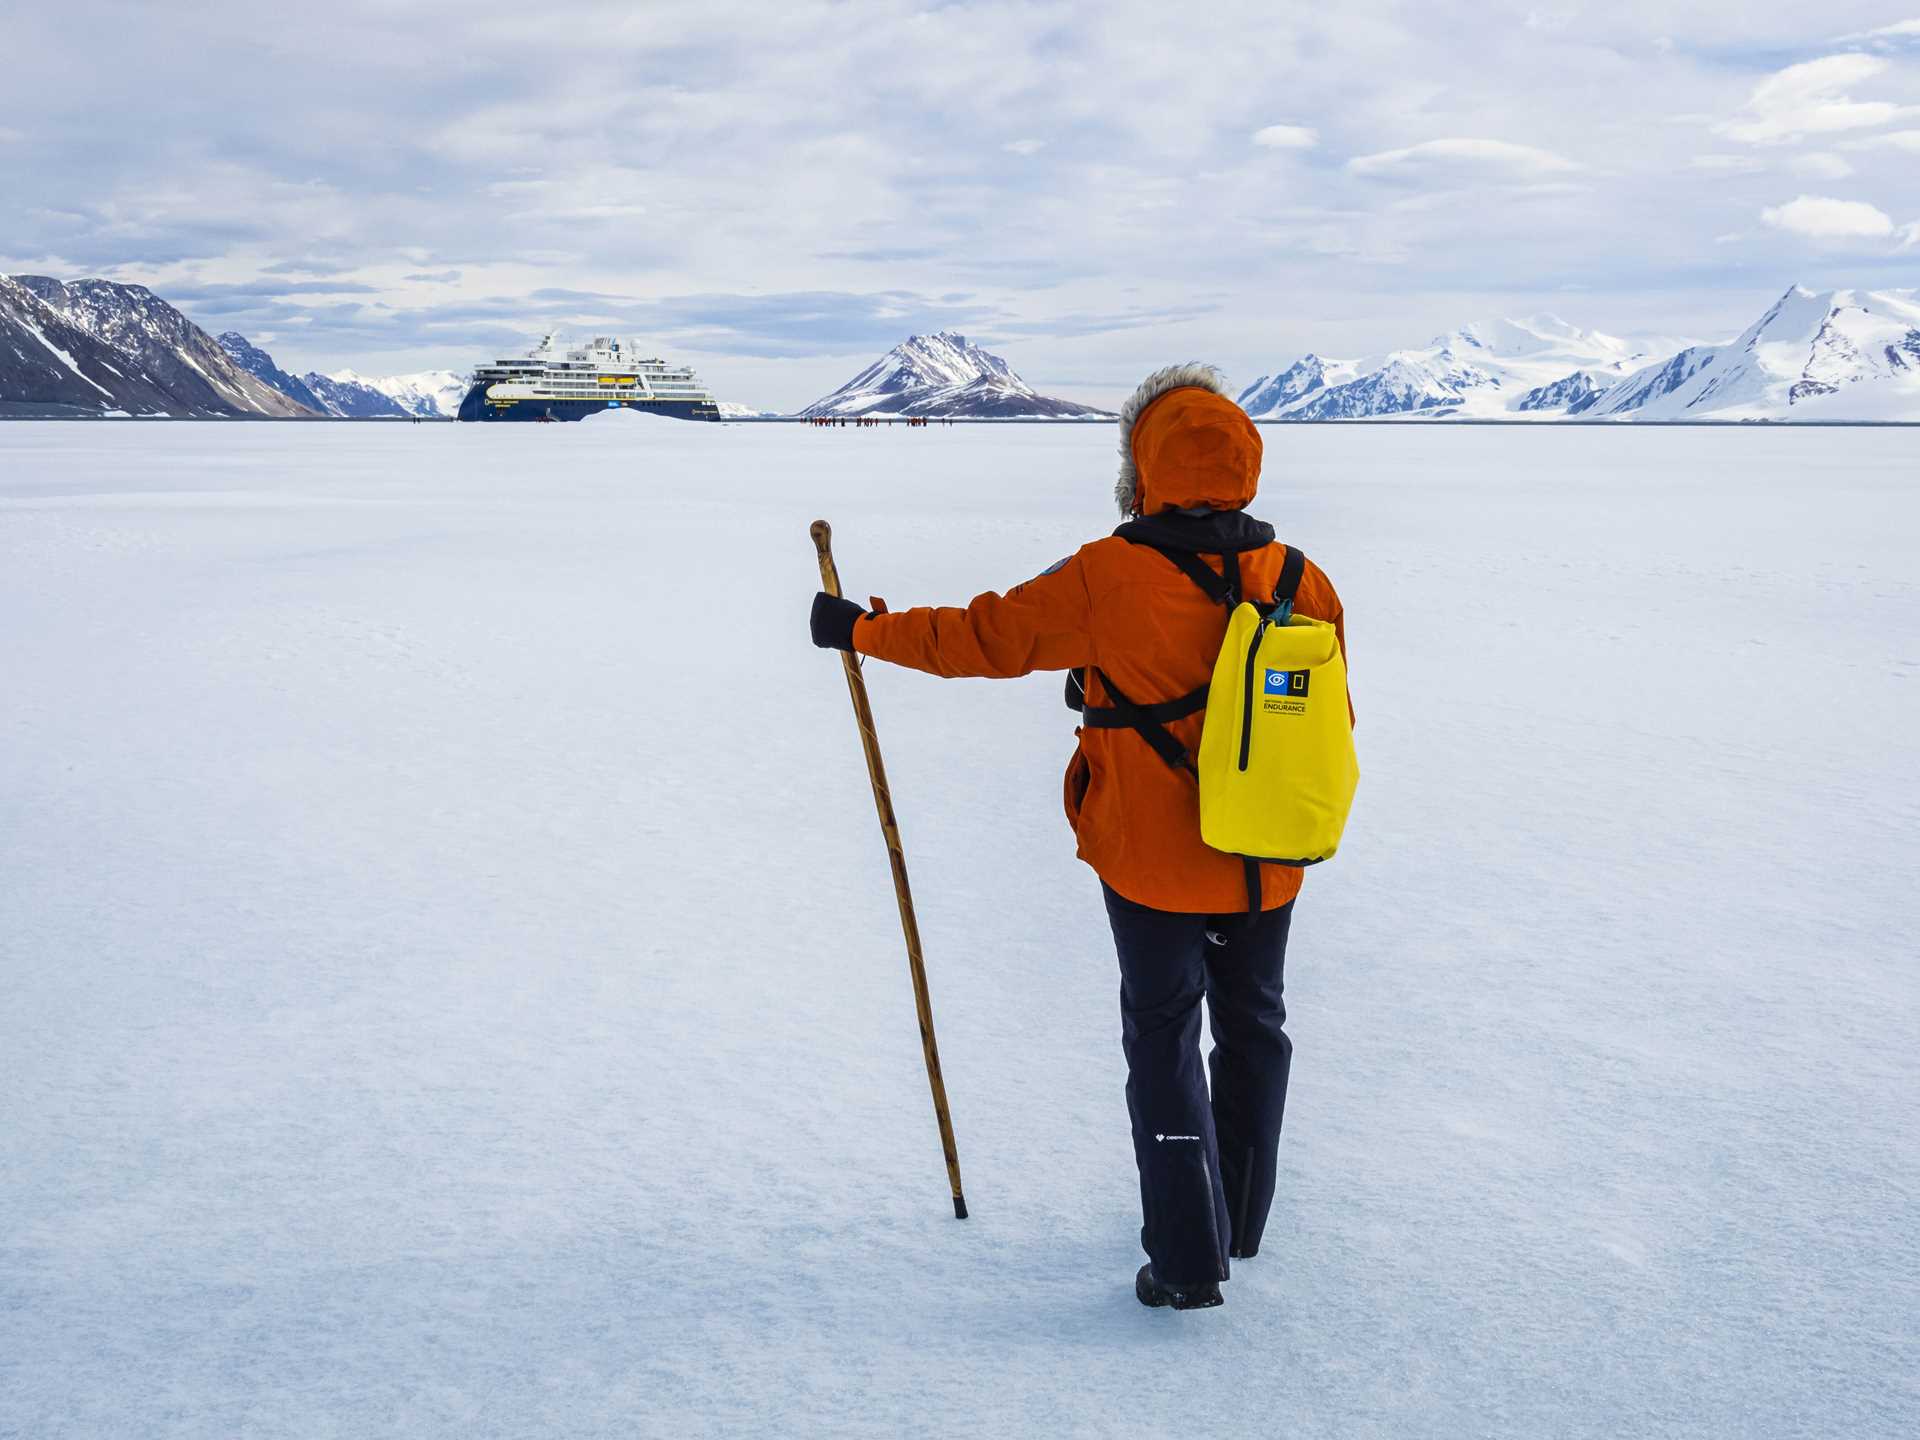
1206	1165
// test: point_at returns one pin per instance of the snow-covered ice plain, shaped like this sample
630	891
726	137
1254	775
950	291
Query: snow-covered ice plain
452	985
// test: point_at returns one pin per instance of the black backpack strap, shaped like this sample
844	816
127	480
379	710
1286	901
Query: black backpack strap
1149	722
1288	585
1222	589
1124	714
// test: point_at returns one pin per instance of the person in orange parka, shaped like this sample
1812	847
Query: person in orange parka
1139	617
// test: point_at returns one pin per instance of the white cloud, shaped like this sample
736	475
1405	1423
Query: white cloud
1497	156
1910	235
1893	140
1820	217
1820	166
1899	30
1726	164
1024	147
604	210
1811	99
1287	137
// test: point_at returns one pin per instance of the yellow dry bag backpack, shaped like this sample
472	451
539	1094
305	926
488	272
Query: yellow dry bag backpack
1277	769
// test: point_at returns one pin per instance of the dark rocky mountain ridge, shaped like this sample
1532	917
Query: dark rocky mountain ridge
98	347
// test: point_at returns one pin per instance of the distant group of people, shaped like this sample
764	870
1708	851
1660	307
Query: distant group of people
910	421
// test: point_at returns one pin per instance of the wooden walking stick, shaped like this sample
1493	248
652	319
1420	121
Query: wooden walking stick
890	831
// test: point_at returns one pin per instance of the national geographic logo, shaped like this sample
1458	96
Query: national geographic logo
1284	692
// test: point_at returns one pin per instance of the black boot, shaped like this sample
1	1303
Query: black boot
1154	1293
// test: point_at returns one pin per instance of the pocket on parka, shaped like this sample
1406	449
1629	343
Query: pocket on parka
1079	779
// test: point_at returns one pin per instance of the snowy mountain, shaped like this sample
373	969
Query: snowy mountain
943	375
348	395
1832	355
1538	367
50	367
429	392
1273	395
1570	396
352	396
258	363
92	347
97	347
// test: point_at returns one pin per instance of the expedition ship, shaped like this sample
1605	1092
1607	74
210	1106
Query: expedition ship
551	384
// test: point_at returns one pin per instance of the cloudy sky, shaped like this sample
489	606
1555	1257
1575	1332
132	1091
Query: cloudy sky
777	192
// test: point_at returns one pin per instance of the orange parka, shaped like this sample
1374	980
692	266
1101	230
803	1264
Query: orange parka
1123	607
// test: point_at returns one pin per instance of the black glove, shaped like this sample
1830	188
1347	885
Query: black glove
832	621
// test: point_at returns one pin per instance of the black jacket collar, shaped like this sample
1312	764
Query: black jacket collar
1218	532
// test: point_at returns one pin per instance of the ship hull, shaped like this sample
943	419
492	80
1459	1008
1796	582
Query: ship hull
477	406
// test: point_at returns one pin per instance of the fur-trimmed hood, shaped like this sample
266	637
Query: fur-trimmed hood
1196	449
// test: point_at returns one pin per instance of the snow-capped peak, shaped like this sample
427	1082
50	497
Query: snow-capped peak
142	356
1538	365
942	374
428	393
1276	394
1852	354
1535	336
1487	368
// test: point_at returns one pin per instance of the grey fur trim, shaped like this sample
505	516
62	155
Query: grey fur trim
1173	377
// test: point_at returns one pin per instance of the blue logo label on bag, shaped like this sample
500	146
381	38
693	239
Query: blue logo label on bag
1288	682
